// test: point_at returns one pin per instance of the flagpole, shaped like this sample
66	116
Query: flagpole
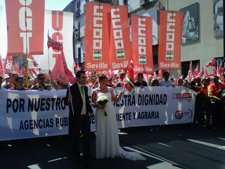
27	69
48	56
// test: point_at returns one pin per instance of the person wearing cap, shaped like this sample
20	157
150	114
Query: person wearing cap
80	111
6	83
214	92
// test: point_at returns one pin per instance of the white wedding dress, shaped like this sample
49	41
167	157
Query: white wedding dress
107	138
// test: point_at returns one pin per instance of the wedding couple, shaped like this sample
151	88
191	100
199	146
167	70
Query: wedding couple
107	138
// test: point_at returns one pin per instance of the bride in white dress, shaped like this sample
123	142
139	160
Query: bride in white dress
107	138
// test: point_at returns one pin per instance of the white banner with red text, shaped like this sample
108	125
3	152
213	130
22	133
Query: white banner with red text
59	26
32	114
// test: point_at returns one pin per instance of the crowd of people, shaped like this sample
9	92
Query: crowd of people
209	109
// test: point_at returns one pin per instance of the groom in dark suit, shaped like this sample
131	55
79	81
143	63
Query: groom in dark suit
79	115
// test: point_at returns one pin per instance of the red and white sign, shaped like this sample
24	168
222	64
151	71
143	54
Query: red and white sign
25	26
97	36
120	46
59	26
170	40
141	27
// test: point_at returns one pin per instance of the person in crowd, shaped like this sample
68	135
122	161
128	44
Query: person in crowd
180	82
62	85
214	92
150	79
120	82
196	84
202	106
110	82
173	81
140	82
79	116
6	83
155	82
93	82
11	80
186	84
18	84
1	81
165	81
107	138
41	84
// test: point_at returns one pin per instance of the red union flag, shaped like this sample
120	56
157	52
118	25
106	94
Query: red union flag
170	39
129	84
54	44
25	26
120	46
97	36
142	43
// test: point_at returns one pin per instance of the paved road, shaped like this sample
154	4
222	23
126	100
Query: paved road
169	147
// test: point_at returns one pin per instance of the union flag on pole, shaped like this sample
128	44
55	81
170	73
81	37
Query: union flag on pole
54	44
211	63
60	71
129	82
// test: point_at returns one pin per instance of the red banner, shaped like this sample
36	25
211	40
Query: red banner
120	47
97	36
170	40
25	26
142	43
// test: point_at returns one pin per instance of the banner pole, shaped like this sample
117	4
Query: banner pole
27	74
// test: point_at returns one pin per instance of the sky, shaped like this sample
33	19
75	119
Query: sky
56	4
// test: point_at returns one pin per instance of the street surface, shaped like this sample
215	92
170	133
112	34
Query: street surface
166	147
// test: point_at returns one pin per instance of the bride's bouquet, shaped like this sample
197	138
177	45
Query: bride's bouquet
102	100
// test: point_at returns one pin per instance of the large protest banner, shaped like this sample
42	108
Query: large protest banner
97	36
25	26
120	46
33	114
170	40
156	106
59	26
141	27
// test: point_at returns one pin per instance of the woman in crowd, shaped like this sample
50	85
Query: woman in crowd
155	82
